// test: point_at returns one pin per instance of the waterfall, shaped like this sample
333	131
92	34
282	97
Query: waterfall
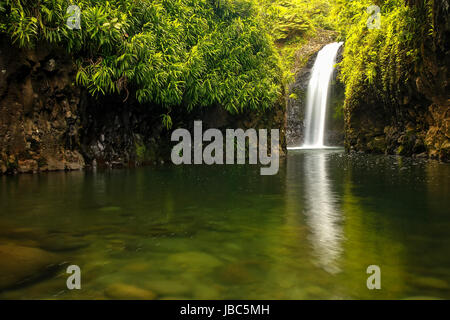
317	96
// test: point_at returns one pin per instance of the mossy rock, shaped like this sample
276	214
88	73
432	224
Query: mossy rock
377	145
121	291
20	264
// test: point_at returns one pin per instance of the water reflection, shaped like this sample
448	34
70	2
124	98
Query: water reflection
320	207
200	232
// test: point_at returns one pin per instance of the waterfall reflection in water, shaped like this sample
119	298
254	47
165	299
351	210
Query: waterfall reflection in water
321	207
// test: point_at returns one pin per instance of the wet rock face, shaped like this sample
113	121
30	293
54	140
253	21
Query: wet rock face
39	121
296	104
121	134
437	138
413	130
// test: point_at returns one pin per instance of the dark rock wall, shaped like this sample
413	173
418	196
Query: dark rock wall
334	132
121	133
39	121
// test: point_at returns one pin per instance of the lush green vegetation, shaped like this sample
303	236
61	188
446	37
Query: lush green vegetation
381	58
292	24
232	53
289	19
174	53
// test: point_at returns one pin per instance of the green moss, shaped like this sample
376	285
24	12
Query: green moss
338	113
141	152
146	153
300	94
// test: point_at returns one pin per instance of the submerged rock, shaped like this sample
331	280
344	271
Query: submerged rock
169	287
422	298
110	209
173	298
206	292
237	273
11	232
19	264
430	282
121	291
194	261
138	267
62	243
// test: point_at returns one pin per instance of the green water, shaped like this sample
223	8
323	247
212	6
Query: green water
225	232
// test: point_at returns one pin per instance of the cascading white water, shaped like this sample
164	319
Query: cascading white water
317	96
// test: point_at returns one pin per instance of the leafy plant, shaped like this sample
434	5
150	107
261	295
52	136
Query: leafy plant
174	53
381	58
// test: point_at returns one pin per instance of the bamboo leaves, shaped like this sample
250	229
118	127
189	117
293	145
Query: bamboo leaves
175	53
